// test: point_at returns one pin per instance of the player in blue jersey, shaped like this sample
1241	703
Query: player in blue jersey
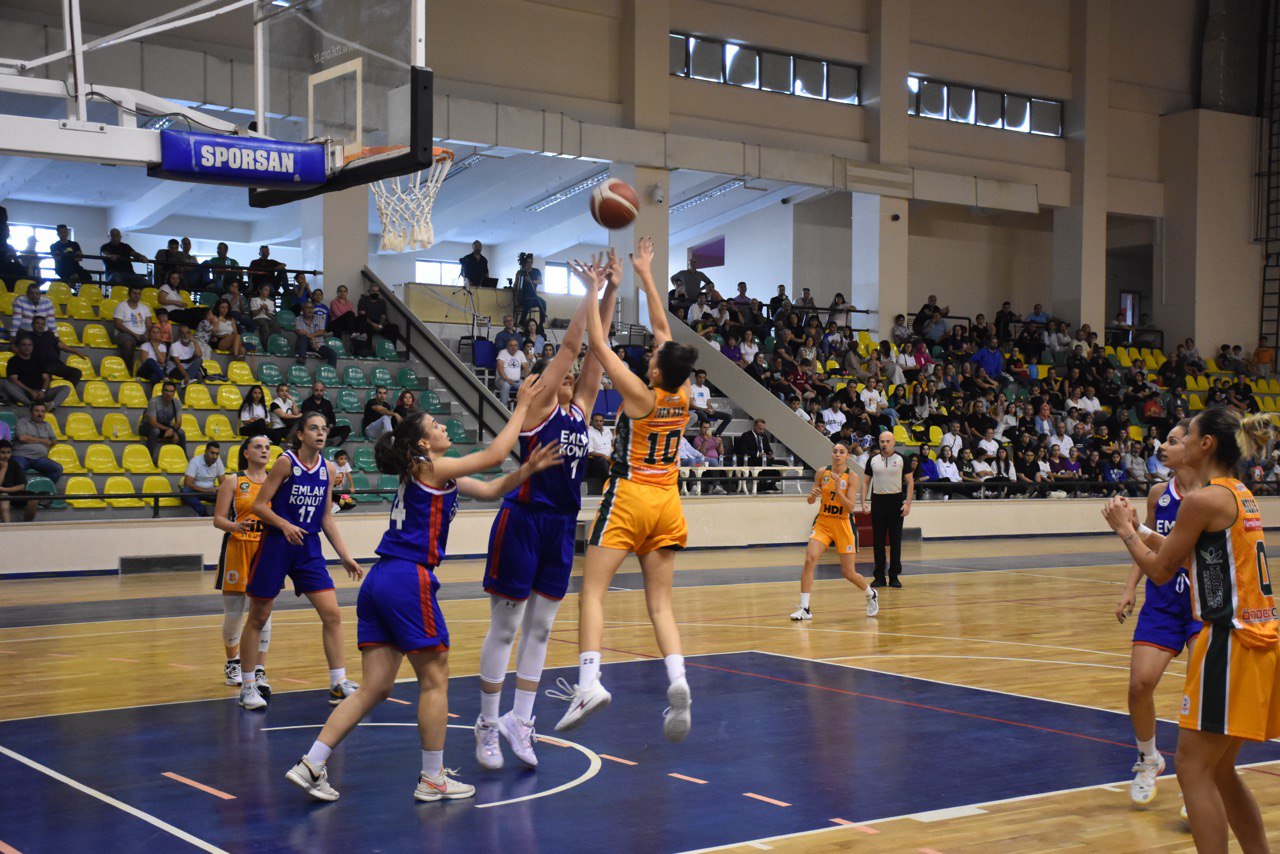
531	543
293	505
1165	623
397	610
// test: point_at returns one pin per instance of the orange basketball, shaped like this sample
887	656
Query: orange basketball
614	204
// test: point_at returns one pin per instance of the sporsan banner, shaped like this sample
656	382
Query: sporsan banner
242	161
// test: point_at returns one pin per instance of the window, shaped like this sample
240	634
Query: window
753	68
559	279
437	272
957	102
20	238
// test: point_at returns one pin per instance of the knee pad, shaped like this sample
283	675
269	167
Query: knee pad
504	620
233	610
535	635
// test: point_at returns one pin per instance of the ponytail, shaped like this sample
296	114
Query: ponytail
1255	434
396	451
1235	437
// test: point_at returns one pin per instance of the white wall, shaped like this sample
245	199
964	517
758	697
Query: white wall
758	250
822	246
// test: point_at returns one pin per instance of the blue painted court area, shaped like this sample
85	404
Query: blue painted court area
779	745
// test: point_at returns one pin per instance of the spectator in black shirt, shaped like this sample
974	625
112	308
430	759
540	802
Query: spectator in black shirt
66	258
118	258
13	485
780	303
475	267
26	379
47	350
371	313
265	269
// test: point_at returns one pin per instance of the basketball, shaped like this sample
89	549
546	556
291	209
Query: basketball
614	204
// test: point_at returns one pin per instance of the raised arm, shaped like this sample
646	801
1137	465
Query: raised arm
589	379
451	468
542	457
642	263
559	367
625	382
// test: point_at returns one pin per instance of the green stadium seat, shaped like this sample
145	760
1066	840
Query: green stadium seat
381	376
363	460
44	486
269	374
386	350
429	401
407	378
359	482
278	345
389	483
457	433
353	377
286	319
336	345
298	375
349	401
252	342
328	375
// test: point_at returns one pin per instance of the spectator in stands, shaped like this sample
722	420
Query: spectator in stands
171	300
991	361
406	404
690	282
223	333
297	293
531	337
1037	316
310	337
379	417
253	413
29	306
168	260
132	319
780	304
47	349
372	319
221	269
117	260
27	381
156	364
755	450
263	307
265	270
699	311
204	474
161	421
67	256
506	333
13	485
599	453
839	311
342	314
527	281
163	325
240	307
700	403
513	367
1135	465
475	267
343	482
1264	358
933	329
11	268
901	333
33	438
317	402
319	310
806	305
1005	318
283	414
926	314
29	258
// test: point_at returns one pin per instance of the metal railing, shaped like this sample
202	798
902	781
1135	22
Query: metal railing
240	271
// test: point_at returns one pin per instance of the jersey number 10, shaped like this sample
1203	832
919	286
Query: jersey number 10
670	448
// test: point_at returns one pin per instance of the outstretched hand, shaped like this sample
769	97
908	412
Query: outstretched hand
613	268
544	457
642	258
589	274
531	389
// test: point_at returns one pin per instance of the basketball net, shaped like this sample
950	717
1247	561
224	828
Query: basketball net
405	202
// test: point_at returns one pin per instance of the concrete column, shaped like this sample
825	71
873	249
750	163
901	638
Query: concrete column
335	237
879	260
645	100
884	80
1080	230
653	221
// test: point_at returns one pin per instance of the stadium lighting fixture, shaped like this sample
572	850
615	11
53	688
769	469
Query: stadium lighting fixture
568	192
707	195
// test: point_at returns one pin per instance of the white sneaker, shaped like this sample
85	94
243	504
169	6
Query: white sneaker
582	702
232	672
677	720
520	737
802	614
1143	788
250	698
873	602
341	691
1183	811
442	788
264	687
312	780
488	747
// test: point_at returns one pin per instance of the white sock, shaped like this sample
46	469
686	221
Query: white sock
247	678
869	591
804	601
432	763
675	667
588	669
1147	748
524	704
319	753
337	675
489	704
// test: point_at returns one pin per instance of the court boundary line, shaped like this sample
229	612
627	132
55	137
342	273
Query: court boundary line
836	659
110	801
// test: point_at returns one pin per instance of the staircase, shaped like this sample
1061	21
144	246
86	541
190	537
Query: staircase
1268	211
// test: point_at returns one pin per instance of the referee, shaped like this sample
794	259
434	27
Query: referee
890	486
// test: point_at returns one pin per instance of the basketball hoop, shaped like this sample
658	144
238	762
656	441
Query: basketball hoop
405	202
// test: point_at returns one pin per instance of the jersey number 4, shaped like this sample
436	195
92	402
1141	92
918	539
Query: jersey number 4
397	509
670	448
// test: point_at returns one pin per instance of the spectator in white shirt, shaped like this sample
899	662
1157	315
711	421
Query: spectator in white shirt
833	418
200	483
794	403
185	355
263	309
699	309
989	444
283	413
700	403
1060	437
156	364
513	367
131	319
953	441
1090	402
749	347
599	450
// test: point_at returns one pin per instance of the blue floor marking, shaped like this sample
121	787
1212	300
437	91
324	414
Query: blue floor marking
832	741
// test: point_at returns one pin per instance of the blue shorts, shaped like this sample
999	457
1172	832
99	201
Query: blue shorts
1166	619
529	551
397	607
279	558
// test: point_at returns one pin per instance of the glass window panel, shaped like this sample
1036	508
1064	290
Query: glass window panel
842	84
987	109
555	279
742	66
933	100
427	272
811	78
960	104
1046	117
19	237
1017	113
775	72
450	272
707	60
678	59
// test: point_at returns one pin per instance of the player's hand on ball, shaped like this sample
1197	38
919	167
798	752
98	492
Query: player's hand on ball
1125	606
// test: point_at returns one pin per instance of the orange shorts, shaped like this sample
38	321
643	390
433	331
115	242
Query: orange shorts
834	531
638	518
234	563
1230	688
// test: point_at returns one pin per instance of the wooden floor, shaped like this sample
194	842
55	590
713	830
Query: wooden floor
1048	632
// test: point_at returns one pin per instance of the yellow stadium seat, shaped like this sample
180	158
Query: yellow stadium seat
211	367
902	437
107	309
121	486
132	396
101	459
67	335
119	293
1211	366
233	459
935	434
1196	402
79	308
218	427
52	421
116	427
66	456
113	368
6	301
276	451
72	399
173	460
137	460
98	394
1122	354
4	360
241	374
82	486
229	398
83	365
197	397
80	427
1135	432
1273	386
191	427
95	335
59	292
157	485
151	296
91	294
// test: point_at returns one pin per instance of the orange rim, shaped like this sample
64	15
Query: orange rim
439	154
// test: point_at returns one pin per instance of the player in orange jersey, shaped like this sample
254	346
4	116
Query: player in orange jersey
835	489
233	514
1232	690
640	511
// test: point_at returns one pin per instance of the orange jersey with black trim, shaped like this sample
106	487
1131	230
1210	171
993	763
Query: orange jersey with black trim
647	449
242	508
831	485
1230	583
